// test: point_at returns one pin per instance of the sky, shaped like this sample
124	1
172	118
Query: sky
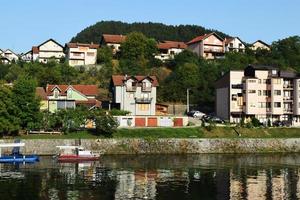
26	23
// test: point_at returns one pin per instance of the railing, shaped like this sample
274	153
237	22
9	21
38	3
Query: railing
288	110
131	89
143	100
288	98
213	50
146	89
288	86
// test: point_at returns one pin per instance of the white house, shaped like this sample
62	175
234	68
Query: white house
136	94
79	54
168	49
10	55
234	44
113	41
259	44
27	57
48	50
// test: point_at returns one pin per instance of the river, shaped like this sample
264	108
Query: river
171	177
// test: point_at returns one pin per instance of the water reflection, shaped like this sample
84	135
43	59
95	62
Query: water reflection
156	177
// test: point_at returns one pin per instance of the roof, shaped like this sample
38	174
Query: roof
76	45
40	92
89	102
35	50
88	90
49	41
263	67
113	38
202	37
118	80
172	44
262	42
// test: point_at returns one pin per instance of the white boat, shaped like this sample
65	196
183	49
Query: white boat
75	154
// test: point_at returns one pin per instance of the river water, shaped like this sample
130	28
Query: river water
171	177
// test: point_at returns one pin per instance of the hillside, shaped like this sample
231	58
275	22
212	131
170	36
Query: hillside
158	31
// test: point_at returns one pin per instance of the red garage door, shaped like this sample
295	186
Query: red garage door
178	122
152	122
140	122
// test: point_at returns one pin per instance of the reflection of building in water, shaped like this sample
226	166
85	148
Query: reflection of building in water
145	184
298	184
236	187
125	186
278	185
257	185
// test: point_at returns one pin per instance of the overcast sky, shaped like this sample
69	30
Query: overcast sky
25	23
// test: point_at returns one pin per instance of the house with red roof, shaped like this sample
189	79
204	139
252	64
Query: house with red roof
136	94
168	49
70	96
48	50
208	46
113	41
80	54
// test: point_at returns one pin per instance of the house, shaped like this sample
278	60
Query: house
10	55
208	46
234	44
42	95
4	60
79	54
168	49
136	94
70	96
48	50
113	41
259	44
264	92
27	57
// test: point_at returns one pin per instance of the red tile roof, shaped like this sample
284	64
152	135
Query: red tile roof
35	50
202	37
113	38
88	90
119	79
40	92
76	45
89	102
172	44
228	40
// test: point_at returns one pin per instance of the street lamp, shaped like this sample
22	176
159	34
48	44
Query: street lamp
188	100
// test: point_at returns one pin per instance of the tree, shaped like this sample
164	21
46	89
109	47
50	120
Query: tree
9	121
106	125
28	105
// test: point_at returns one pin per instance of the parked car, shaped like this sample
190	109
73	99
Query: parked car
195	114
209	118
282	123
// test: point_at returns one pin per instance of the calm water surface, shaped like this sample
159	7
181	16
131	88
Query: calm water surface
172	177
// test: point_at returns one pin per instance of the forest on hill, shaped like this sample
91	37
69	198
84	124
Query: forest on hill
157	31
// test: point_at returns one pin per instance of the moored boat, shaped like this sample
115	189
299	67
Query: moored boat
16	156
76	154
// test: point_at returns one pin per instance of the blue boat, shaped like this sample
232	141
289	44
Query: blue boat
16	156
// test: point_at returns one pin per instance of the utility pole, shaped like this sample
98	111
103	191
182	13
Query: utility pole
188	100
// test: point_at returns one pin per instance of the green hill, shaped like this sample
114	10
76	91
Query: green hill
158	31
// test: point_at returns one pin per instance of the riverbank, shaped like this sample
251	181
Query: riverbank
188	132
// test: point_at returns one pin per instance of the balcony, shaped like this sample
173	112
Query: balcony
288	87
288	110
146	89
288	98
131	89
214	50
143	100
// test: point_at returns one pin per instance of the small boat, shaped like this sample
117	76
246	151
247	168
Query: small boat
16	156
76	154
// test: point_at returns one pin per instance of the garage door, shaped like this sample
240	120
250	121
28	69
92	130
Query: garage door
178	122
152	122
140	122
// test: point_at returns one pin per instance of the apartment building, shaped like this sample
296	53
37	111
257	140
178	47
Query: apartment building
208	46
168	49
48	50
113	41
136	94
259	44
264	92
79	54
234	44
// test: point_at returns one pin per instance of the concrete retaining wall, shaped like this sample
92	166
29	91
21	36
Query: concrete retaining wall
166	146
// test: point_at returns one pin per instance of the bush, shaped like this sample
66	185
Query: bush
116	112
255	122
106	125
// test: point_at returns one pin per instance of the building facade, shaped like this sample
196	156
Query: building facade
9	56
79	54
70	96
208	46
263	92
168	49
113	41
136	94
234	44
48	50
259	44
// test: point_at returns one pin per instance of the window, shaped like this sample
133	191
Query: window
76	54
259	81
259	92
231	44
267	93
251	91
90	54
69	93
237	86
274	72
172	52
262	104
234	97
252	105
252	81
277	81
277	105
277	92
143	107
266	81
56	93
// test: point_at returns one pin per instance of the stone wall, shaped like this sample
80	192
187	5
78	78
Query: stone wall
165	146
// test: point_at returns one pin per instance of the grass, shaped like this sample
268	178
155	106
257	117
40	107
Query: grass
155	133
